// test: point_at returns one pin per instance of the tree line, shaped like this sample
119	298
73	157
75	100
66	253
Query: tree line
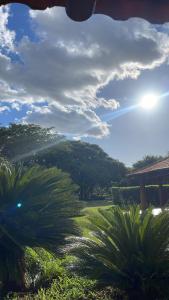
88	165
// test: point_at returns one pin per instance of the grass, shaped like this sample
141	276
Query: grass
85	211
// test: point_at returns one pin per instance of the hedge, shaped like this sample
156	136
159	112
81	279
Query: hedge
131	194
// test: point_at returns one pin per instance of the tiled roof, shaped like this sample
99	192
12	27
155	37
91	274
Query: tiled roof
161	165
155	11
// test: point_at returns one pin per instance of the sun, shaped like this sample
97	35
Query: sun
149	101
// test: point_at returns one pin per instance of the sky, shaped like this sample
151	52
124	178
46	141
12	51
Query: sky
86	79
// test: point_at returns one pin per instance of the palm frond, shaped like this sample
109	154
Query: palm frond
127	249
37	207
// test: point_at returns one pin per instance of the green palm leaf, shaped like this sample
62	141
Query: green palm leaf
36	210
127	249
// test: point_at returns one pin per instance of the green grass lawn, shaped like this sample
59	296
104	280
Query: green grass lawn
87	210
80	221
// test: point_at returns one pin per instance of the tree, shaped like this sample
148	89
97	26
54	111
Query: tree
146	161
36	210
128	250
20	141
89	166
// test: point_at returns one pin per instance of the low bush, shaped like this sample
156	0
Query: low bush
72	288
43	267
131	195
66	288
49	279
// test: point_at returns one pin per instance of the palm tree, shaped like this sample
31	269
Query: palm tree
36	210
128	250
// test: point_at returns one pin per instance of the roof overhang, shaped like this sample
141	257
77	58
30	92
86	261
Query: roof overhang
155	11
154	172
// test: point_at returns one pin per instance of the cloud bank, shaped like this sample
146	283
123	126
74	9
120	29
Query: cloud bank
60	75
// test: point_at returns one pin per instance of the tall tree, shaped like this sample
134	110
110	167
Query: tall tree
89	166
20	141
37	207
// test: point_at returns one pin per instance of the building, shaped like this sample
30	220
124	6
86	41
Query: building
157	174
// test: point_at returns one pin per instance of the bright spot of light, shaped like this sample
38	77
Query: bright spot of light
19	205
149	101
157	211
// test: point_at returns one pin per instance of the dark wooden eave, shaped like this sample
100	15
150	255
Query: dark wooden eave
155	11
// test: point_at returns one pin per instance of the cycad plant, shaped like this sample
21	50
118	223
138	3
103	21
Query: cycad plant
126	249
36	210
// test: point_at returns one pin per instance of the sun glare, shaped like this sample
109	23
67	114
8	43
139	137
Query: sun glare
149	101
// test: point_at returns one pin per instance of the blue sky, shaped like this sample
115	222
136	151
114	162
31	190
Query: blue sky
19	21
86	79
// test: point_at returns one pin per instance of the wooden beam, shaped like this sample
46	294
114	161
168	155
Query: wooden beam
162	196
143	198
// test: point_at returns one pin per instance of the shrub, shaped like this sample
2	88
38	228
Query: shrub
51	280
64	288
126	249
37	207
43	267
131	195
72	288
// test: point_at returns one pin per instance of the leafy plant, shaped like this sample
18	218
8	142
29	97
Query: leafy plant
72	288
126	249
68	288
36	210
64	288
42	267
129	195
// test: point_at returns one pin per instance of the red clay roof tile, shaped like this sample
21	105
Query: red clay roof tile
161	165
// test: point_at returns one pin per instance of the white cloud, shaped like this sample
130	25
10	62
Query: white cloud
7	36
72	62
72	121
4	109
15	105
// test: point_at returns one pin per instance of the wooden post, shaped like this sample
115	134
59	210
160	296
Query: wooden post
161	198
143	200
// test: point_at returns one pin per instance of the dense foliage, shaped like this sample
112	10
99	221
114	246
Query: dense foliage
121	255
51	280
36	209
131	194
20	141
72	288
89	166
126	249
